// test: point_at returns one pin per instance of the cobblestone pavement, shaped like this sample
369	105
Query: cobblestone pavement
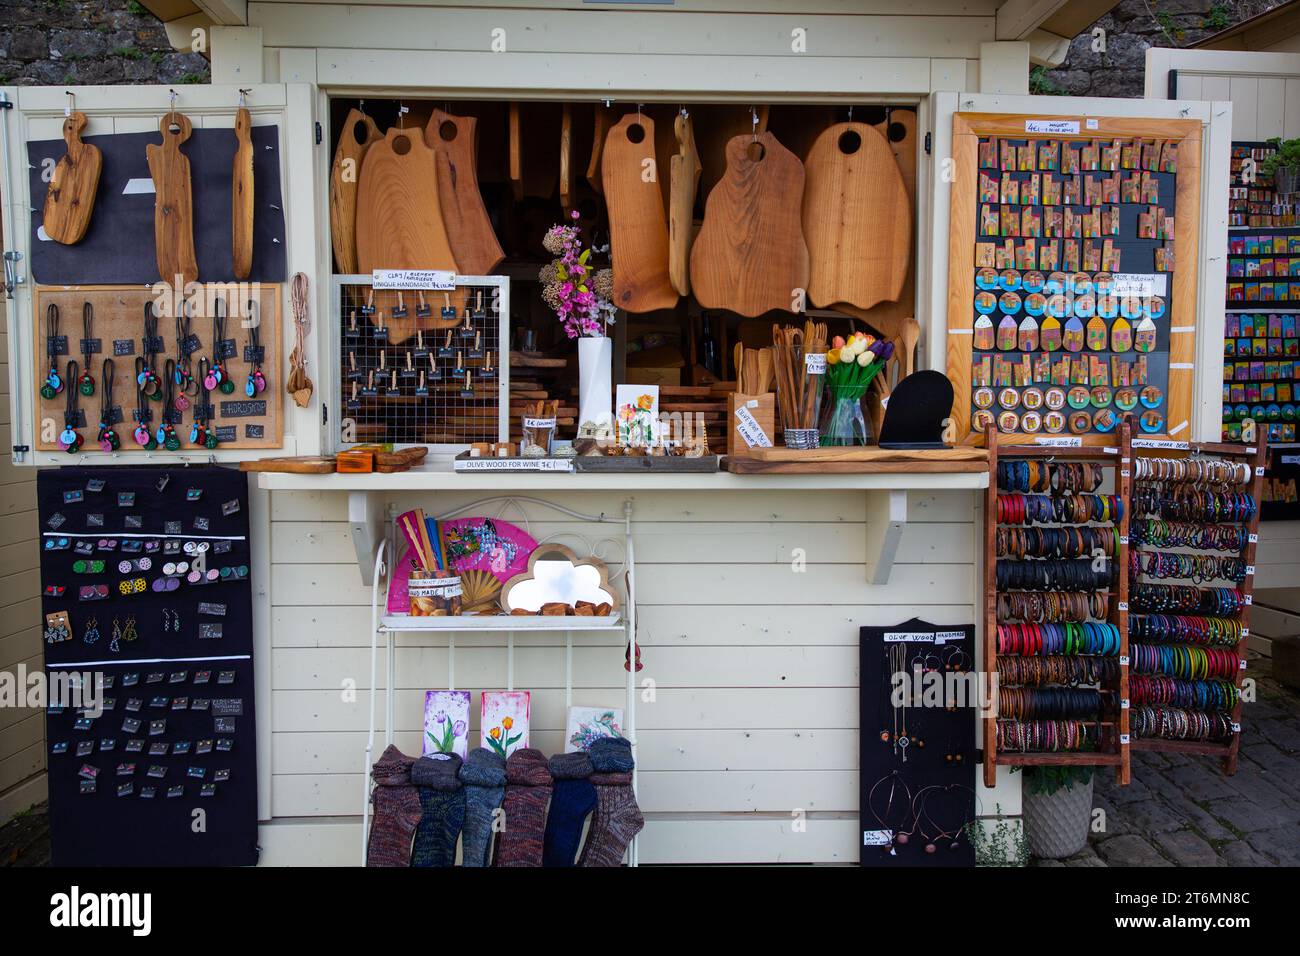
1182	811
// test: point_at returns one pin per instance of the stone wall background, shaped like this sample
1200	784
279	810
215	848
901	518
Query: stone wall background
1131	28
89	43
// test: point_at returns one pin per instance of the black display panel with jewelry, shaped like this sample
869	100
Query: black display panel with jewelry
920	695
146	592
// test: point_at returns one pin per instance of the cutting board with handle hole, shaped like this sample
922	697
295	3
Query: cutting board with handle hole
358	133
173	211
70	199
750	255
399	215
856	218
241	196
684	176
638	230
474	245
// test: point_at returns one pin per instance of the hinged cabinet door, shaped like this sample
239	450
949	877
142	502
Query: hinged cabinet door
123	268
1194	340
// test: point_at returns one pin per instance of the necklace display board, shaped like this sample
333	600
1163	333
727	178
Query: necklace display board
237	340
1261	345
1056	527
1191	582
146	586
1065	308
917	744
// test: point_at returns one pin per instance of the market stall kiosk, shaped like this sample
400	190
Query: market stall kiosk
750	589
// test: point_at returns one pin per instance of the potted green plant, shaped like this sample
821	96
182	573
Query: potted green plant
1284	165
1057	810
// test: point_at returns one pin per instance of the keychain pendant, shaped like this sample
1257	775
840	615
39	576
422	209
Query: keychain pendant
141	435
181	402
86	384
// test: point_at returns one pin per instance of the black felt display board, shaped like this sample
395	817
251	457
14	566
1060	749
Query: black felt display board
118	248
156	677
934	733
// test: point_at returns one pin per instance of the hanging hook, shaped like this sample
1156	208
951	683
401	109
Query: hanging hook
850	112
682	110
402	110
71	104
243	96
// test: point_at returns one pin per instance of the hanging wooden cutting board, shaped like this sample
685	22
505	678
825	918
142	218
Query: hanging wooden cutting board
173	216
887	318
604	119
70	199
399	215
241	196
474	245
750	255
638	232
684	177
358	133
856	218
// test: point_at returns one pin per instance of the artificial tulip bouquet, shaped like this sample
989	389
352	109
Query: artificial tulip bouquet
850	366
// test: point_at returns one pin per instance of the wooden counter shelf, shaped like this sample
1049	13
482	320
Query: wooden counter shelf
843	460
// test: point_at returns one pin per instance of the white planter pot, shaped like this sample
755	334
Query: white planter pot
1057	823
595	380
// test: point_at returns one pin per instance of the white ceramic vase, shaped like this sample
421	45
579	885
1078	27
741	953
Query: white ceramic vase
595	380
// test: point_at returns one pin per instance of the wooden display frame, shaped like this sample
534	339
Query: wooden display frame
967	128
119	312
1227	751
1118	455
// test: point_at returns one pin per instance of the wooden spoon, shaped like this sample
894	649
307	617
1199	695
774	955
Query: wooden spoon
911	334
765	377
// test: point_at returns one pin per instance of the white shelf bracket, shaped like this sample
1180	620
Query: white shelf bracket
366	522
886	519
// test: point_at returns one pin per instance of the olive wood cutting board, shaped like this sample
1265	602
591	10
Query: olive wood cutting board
241	196
70	199
684	176
474	245
173	211
638	230
750	256
358	133
856	218
399	215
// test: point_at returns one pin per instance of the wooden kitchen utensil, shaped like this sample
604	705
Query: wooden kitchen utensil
399	215
173	216
910	336
603	121
684	176
474	245
750	255
241	196
516	154
70	199
566	157
856	218
358	133
638	232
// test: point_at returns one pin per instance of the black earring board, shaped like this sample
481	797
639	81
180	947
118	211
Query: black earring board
918	762
917	410
165	774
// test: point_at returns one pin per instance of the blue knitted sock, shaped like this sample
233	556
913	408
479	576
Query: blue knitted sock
571	802
440	825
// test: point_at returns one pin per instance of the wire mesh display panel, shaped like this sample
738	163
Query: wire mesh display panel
422	367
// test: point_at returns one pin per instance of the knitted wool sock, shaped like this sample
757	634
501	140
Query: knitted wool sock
618	819
484	776
611	755
442	798
528	789
574	798
396	810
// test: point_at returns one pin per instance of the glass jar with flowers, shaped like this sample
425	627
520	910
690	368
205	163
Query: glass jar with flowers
851	364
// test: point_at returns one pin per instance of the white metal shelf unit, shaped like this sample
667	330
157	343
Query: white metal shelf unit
389	627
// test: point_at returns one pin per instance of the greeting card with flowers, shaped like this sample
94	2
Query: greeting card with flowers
446	722
503	722
637	414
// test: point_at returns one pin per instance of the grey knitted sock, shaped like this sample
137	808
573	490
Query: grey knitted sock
442	799
618	819
484	777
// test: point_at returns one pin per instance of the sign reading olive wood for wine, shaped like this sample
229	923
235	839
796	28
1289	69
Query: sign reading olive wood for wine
117	331
1072	275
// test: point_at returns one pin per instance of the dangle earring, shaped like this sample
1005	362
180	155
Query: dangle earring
128	632
115	640
53	383
92	631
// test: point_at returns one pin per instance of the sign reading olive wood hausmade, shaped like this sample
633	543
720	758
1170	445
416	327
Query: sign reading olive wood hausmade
117	332
1072	275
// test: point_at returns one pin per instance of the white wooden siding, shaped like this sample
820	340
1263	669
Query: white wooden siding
754	665
22	730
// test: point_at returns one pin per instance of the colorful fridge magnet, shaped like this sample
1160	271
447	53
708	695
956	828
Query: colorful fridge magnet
1049	334
1126	399
1104	284
1009	303
1028	334
1007	334
981	420
1152	422
1032	398
1036	304
1054	284
1151	397
1008	398
1054	398
1121	336
1145	338
1033	281
1073	337
1080	422
1100	396
1096	336
986	279
1054	422
1009	280
1079	397
1154	307
1107	306
1105	420
983	398
1008	422
1081	283
1031	422
985	336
